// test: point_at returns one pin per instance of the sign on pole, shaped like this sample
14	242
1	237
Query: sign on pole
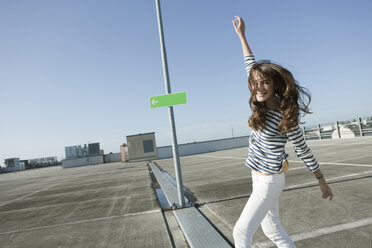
168	100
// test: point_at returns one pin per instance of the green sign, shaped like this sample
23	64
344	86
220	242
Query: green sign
168	100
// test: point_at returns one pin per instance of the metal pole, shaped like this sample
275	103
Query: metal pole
319	132
338	129
176	158
232	130
360	126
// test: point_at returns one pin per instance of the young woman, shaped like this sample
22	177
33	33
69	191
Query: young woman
276	101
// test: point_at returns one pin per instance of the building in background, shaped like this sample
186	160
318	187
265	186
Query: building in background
40	162
15	164
11	164
124	153
83	155
142	147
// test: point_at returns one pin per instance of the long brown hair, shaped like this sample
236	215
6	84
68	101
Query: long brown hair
291	96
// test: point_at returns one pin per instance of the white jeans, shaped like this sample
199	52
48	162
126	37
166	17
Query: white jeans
262	207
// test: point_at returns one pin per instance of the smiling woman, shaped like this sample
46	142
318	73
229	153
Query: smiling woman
264	88
276	101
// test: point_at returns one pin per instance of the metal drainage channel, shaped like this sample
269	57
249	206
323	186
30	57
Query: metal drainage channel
198	231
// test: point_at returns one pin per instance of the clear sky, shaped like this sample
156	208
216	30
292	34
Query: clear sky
79	71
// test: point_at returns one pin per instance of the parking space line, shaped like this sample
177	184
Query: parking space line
35	192
209	156
218	217
296	161
347	164
353	141
365	156
362	142
328	179
51	186
334	163
322	231
43	207
296	168
81	222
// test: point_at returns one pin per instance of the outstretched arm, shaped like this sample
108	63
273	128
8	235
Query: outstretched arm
240	31
295	135
249	59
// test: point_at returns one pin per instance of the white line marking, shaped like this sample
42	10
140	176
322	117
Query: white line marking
3	204
296	168
339	142
51	186
366	156
334	163
328	179
297	161
218	217
361	142
208	156
39	208
80	222
322	231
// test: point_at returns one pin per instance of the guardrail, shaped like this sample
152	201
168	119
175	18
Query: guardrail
340	129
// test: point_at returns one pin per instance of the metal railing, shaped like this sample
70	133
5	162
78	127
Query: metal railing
340	129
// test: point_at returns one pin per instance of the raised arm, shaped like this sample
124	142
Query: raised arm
249	59
240	31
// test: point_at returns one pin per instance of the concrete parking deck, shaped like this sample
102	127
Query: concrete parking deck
114	205
222	184
107	205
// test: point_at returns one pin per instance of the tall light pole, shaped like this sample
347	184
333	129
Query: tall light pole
176	158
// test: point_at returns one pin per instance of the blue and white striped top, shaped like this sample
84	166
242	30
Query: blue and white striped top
266	151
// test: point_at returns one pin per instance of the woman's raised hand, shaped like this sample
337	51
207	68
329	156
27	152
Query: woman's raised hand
240	30
239	25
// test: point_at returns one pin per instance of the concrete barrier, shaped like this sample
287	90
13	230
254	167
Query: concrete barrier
205	146
112	157
74	162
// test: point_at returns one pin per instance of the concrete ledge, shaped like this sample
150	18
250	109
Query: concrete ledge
68	163
204	146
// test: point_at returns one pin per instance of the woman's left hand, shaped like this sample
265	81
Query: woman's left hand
326	190
239	26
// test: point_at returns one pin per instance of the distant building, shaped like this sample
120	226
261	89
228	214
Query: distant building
12	164
41	162
78	151
82	155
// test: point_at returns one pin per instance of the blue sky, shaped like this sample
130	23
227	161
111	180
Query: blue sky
73	72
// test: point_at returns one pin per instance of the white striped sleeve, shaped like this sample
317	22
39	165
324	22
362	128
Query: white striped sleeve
295	135
249	61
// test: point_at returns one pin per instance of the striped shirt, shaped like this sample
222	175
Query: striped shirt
266	152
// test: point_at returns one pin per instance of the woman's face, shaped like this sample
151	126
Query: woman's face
264	87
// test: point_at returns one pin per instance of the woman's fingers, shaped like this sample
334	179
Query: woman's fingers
234	23
326	191
330	194
239	25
